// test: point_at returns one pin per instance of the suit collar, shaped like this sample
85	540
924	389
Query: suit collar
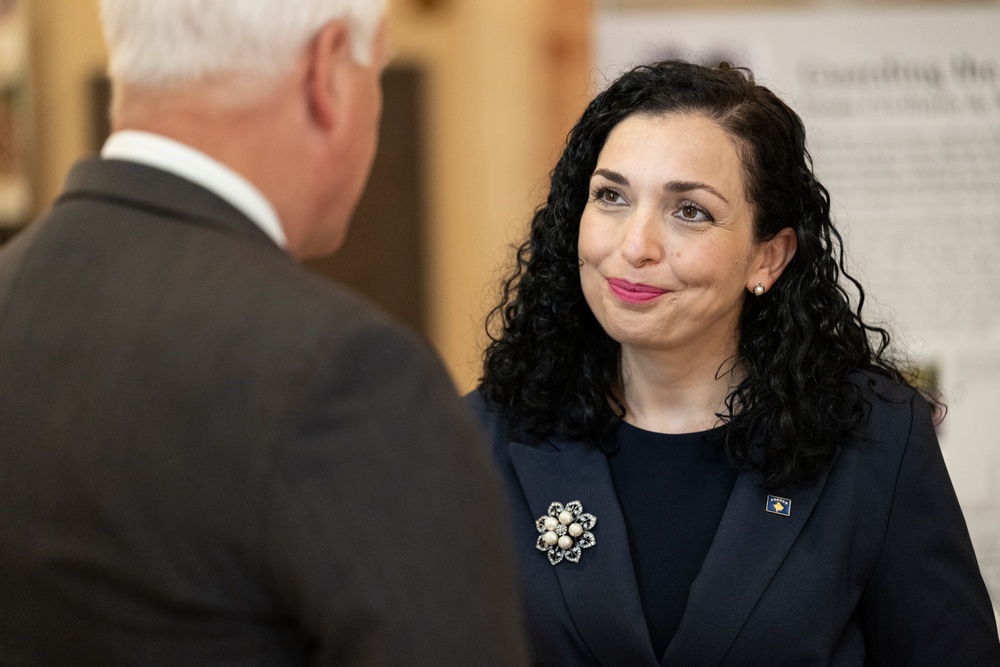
141	186
175	157
601	591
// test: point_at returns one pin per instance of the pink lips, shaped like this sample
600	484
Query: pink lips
634	292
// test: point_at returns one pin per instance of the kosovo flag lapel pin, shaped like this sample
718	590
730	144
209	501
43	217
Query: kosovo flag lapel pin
779	505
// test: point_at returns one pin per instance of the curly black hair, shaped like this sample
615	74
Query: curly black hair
552	368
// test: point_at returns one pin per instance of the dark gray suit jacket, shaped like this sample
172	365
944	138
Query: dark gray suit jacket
208	456
872	566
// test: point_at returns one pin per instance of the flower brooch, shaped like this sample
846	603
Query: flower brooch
565	532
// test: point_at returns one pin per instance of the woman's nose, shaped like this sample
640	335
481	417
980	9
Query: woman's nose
643	242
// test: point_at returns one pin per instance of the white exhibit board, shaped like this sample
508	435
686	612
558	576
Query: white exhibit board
902	110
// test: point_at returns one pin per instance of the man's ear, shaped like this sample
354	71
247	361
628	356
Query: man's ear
772	258
328	55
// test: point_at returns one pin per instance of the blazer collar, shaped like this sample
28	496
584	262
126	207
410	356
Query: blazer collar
136	185
749	547
601	590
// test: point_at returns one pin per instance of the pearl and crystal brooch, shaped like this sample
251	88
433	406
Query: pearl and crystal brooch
565	532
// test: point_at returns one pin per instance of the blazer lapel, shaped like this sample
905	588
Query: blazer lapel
749	546
600	591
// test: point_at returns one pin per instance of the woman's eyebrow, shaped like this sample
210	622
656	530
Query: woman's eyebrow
681	187
612	176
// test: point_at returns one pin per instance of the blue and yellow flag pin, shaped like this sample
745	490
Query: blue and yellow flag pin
779	505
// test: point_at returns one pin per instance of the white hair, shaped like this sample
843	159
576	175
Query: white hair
165	43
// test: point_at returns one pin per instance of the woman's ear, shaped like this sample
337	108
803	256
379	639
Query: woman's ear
772	258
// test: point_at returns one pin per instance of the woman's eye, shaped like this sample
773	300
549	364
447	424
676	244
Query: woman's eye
607	196
693	213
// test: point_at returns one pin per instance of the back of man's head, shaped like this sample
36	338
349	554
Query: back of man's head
170	43
284	92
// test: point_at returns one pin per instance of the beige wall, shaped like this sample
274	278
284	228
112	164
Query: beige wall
67	51
491	103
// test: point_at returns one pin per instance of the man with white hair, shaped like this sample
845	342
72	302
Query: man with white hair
208	456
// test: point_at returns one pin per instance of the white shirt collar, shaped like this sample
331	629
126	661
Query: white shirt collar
172	156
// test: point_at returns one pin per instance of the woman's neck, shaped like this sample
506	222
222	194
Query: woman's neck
668	393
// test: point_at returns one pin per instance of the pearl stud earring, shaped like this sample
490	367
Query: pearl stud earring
758	289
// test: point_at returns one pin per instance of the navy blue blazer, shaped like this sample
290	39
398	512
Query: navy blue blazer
873	564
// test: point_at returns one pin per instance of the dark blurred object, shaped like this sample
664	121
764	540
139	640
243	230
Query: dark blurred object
431	5
16	185
383	257
100	110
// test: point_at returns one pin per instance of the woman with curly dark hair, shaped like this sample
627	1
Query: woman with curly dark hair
711	458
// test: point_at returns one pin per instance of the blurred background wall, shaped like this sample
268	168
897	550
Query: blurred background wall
499	85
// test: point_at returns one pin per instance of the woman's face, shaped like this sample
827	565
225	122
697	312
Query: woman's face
666	238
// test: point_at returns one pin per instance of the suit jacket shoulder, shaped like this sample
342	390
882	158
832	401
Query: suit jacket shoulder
207	451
